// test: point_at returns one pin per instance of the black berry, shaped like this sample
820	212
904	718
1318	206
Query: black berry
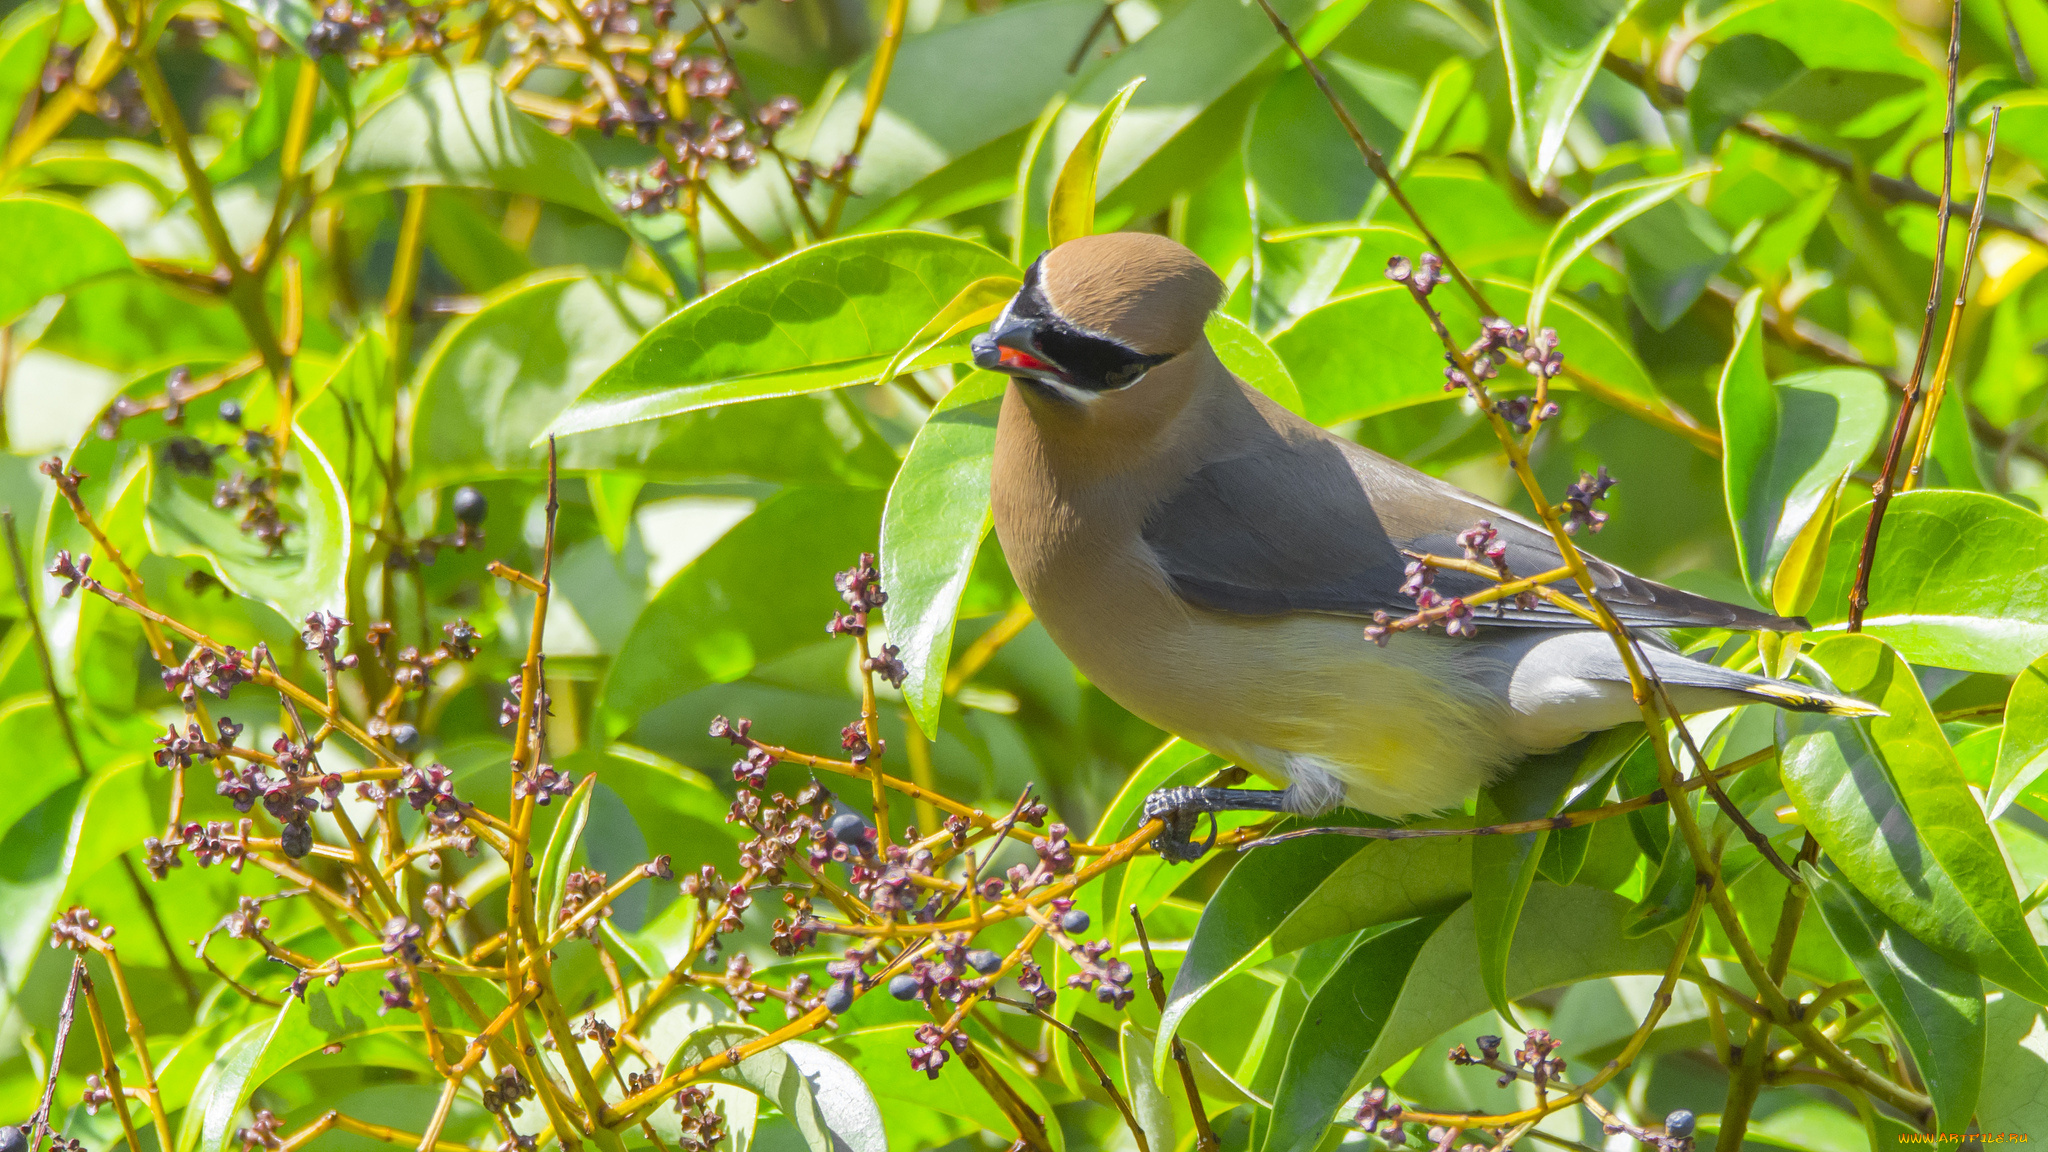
470	507
296	839
984	961
850	829
905	987
230	411
11	1139
1679	1123
1074	921
839	997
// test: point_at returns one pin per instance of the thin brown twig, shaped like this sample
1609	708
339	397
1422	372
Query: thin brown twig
1881	492
40	1122
1955	314
1205	1136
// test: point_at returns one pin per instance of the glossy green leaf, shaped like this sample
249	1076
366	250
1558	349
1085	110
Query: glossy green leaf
345	1012
307	573
2015	1093
493	381
975	307
558	858
1385	881
52	245
57	842
1503	867
1390	996
456	128
25	38
1593	220
1669	255
765	589
1736	77
832	314
1373	352
1252	360
1956	583
814	1087
1072	211
1889	804
1155	1112
1936	1004
932	527
1238	922
878	1054
1787	444
2023	744
1552	48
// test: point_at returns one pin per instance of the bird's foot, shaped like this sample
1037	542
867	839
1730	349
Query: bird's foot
1180	810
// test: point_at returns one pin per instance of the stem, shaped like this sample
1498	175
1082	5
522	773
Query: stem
40	1122
1955	313
110	1069
1205	1137
1881	492
878	84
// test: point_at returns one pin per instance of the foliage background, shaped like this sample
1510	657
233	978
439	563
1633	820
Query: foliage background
1739	290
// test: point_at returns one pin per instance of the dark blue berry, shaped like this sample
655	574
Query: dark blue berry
839	997
850	829
905	987
1679	1123
405	736
230	411
296	839
11	1139
470	507
984	961
1074	921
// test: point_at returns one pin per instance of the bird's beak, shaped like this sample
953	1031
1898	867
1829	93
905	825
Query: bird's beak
1009	347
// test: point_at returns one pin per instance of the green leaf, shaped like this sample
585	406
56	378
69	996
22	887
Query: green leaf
25	39
2023	741
455	128
1252	360
558	859
307	573
56	844
1593	220
1337	1032
1503	867
2015	1093
878	1054
347	1011
932	528
1238	922
1888	802
1373	352
832	314
493	381
1956	583
1385	881
52	245
763	590
1154	1111
1552	48
1787	444
814	1087
1737	76
1072	212
1390	997
1669	254
1936	1005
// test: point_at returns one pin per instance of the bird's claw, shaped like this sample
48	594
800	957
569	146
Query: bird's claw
1180	810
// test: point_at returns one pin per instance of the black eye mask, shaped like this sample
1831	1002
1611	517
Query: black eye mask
1082	358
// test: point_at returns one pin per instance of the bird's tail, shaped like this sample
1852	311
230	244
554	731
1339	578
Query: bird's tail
1806	698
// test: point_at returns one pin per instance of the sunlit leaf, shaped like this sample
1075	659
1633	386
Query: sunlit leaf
932	528
1552	48
1252	360
1956	583
1888	803
52	245
815	1088
832	314
1593	220
1072	212
1936	1004
1736	77
2023	747
1503	867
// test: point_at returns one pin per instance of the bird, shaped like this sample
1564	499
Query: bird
1206	558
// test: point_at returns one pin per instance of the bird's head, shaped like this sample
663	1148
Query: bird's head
1099	314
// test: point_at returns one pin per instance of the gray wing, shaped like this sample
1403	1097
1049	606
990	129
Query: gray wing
1315	523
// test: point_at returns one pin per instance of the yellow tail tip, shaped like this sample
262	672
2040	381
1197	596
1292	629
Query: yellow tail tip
1792	697
1839	706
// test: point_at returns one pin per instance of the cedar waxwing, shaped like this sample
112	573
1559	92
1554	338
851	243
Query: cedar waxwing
1207	559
